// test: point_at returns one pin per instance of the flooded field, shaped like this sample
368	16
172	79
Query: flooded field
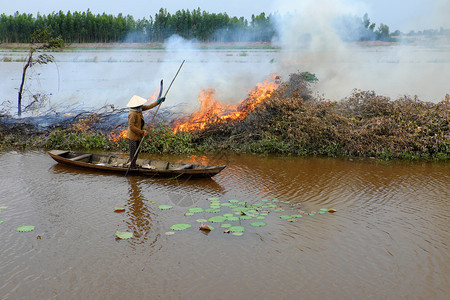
388	239
93	78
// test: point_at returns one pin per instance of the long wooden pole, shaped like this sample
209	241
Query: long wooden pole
154	115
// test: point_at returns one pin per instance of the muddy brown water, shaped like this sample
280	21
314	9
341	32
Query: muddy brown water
388	239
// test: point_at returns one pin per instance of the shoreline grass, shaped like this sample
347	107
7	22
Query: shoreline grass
290	122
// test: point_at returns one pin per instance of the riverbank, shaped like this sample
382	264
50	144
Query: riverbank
147	46
290	122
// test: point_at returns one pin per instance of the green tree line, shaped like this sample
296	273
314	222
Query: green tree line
86	27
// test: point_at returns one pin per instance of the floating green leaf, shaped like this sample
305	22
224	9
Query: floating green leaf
233	218
324	209
213	199
228	215
119	209
180	226
285	217
124	235
195	210
212	210
165	207
233	201
1	222
239	209
258	224
224	225
245	217
237	233
3	207
217	219
237	229
189	214
296	216
226	204
170	233
260	217
25	228
201	220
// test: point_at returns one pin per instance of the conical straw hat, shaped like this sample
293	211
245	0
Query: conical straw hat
136	101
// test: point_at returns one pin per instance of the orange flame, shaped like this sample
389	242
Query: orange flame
118	136
212	111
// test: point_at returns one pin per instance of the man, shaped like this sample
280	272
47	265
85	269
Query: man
136	123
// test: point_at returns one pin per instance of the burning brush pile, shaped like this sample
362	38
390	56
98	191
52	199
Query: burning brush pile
290	120
276	117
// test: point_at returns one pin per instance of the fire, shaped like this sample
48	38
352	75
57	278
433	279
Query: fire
117	136
212	111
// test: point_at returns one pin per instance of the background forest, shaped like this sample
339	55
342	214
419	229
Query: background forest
86	27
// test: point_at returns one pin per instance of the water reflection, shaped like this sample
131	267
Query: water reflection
140	216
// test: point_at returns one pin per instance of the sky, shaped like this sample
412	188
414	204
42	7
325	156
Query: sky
404	15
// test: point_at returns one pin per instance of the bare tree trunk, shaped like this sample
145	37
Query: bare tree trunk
28	64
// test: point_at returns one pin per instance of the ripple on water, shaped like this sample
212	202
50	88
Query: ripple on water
390	230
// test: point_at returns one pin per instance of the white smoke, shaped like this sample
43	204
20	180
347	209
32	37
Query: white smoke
310	42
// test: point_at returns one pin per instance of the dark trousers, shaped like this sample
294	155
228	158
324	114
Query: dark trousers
133	155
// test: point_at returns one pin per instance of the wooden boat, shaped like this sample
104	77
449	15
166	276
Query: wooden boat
113	163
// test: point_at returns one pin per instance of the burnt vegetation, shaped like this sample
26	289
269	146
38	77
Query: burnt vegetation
292	121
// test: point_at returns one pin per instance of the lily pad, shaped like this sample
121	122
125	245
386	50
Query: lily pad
212	210
189	214
237	233
213	199
233	218
297	216
239	209
245	217
217	219
258	224
3	207
119	209
25	228
124	235
225	225
180	226
195	210
260	217
201	220
233	201
207	228
323	209
165	207
228	215
237	229
226	204
285	217
170	232
1	222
